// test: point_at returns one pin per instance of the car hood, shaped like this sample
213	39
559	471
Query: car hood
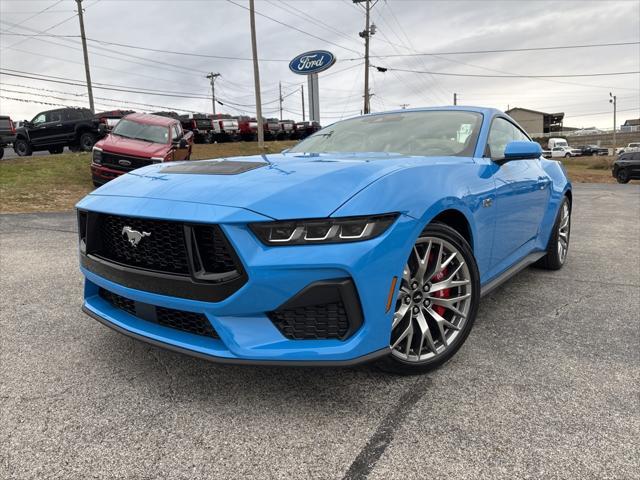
128	146
283	186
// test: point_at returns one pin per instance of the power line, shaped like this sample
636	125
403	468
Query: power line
475	75
294	28
508	50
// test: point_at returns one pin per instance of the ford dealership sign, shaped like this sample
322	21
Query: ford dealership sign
312	62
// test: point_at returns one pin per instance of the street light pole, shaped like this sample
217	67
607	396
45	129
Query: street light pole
302	96
613	100
86	55
212	77
256	73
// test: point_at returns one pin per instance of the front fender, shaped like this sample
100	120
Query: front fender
424	191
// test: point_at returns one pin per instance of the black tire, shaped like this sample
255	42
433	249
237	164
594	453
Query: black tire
392	363
86	141
622	175
553	260
1	152
22	148
97	184
567	155
56	150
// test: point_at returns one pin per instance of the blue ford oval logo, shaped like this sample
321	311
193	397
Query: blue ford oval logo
312	62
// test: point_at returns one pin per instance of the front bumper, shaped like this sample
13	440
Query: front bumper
275	276
100	174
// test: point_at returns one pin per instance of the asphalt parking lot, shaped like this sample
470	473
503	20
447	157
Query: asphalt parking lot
545	387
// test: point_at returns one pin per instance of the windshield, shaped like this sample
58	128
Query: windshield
139	131
426	133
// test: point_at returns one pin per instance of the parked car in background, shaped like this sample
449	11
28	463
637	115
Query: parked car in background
287	128
627	167
19	123
53	130
632	147
7	133
201	125
226	128
592	150
111	118
304	129
248	128
564	152
136	141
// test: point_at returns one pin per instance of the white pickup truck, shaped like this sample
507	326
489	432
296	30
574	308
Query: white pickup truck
632	147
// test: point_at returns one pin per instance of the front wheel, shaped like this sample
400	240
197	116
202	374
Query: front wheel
22	147
622	176
437	303
567	155
86	141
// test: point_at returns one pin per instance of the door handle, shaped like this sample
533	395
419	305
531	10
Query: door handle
58	124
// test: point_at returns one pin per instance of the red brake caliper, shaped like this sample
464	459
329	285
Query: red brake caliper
445	293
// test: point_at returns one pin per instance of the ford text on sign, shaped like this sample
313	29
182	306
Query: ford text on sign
312	62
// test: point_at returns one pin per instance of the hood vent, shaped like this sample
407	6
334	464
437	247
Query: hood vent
213	167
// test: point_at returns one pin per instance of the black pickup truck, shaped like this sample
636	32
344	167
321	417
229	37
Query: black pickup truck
76	128
7	133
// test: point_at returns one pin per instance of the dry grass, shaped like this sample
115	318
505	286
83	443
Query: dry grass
57	182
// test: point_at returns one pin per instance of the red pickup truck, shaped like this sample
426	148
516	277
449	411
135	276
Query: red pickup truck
136	141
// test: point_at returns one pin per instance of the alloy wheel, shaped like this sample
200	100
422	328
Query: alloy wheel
564	228
434	301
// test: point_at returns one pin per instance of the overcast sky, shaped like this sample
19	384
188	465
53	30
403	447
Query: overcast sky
218	27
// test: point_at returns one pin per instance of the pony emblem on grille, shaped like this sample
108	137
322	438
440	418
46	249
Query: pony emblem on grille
133	236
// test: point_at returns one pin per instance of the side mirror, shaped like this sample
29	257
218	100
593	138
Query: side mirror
522	151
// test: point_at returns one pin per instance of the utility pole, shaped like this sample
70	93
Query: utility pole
368	31
302	96
280	98
212	77
455	99
86	55
256	73
613	100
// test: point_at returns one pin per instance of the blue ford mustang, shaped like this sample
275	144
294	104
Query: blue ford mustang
373	239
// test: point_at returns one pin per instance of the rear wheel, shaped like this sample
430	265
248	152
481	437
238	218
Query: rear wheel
86	141
22	147
559	242
567	155
622	176
437	302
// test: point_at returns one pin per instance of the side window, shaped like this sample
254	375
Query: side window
39	119
177	132
54	116
503	132
70	115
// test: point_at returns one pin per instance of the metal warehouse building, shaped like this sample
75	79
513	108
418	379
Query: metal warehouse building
535	122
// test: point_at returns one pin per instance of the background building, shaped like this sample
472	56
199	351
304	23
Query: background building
535	122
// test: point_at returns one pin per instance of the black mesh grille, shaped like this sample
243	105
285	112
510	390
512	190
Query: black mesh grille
112	160
163	250
189	322
215	253
317	322
118	301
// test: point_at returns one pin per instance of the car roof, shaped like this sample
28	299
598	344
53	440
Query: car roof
148	119
487	112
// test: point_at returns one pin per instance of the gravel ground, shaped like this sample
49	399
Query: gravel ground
545	387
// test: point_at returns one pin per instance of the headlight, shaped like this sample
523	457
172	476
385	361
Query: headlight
97	155
329	230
